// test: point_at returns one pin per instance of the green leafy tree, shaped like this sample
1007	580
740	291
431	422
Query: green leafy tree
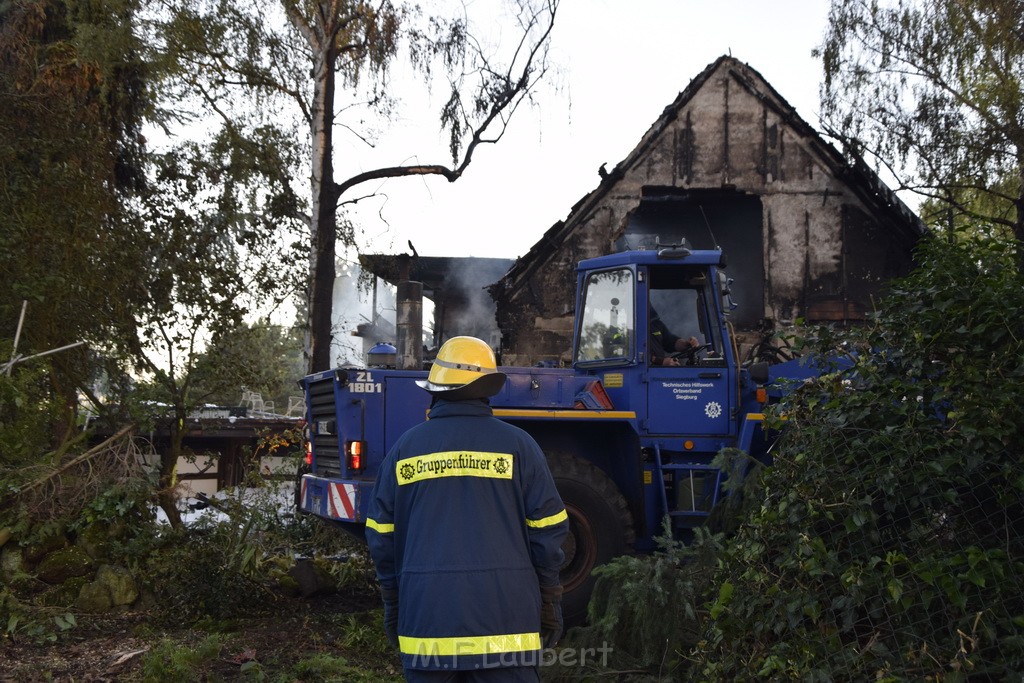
72	101
27	416
330	63
261	357
937	87
214	255
146	257
956	224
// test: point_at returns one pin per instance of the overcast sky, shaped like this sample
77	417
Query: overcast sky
619	64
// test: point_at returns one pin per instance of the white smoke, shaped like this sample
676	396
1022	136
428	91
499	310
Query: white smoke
356	308
467	280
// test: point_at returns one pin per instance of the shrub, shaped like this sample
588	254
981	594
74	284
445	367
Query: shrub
632	596
888	544
197	573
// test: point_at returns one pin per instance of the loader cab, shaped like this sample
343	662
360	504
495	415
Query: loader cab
633	303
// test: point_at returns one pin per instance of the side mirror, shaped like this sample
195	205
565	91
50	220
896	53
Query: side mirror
725	285
759	372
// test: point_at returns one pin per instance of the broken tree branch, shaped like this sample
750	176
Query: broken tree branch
91	453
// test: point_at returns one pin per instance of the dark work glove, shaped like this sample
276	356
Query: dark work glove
390	598
550	615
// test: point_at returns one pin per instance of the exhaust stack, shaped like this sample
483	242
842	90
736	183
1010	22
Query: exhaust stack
409	325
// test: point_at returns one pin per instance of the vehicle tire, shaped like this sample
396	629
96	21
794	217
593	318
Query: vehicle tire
600	528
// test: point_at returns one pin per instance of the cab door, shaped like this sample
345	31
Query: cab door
693	398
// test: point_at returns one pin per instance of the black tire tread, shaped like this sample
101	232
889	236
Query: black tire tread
567	466
583	474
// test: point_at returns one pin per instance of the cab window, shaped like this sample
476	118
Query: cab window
681	306
606	325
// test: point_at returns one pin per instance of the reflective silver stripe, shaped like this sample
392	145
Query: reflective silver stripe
464	366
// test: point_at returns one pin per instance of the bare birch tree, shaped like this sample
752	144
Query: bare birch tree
251	63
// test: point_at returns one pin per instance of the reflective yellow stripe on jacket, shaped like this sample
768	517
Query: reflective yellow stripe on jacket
380	527
547	521
469	645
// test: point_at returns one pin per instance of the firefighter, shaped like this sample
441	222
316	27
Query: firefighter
663	343
465	528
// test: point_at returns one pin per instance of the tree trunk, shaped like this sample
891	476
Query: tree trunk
1018	221
1018	229
166	492
323	221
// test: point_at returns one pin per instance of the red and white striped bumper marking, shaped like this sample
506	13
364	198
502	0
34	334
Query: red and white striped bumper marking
342	501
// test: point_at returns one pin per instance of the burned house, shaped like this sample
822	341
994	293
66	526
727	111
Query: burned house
729	164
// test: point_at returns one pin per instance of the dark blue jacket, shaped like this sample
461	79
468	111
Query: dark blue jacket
466	524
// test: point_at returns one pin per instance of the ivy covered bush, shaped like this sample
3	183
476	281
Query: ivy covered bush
889	543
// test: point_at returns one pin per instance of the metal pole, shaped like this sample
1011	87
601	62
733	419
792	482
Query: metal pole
47	353
17	335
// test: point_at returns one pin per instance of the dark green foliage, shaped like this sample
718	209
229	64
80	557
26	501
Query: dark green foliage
26	413
647	609
648	612
327	667
230	562
71	99
204	573
125	504
169	662
888	543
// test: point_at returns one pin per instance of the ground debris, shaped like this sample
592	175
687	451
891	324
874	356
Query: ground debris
113	647
96	658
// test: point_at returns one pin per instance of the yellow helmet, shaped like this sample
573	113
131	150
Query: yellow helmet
464	368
